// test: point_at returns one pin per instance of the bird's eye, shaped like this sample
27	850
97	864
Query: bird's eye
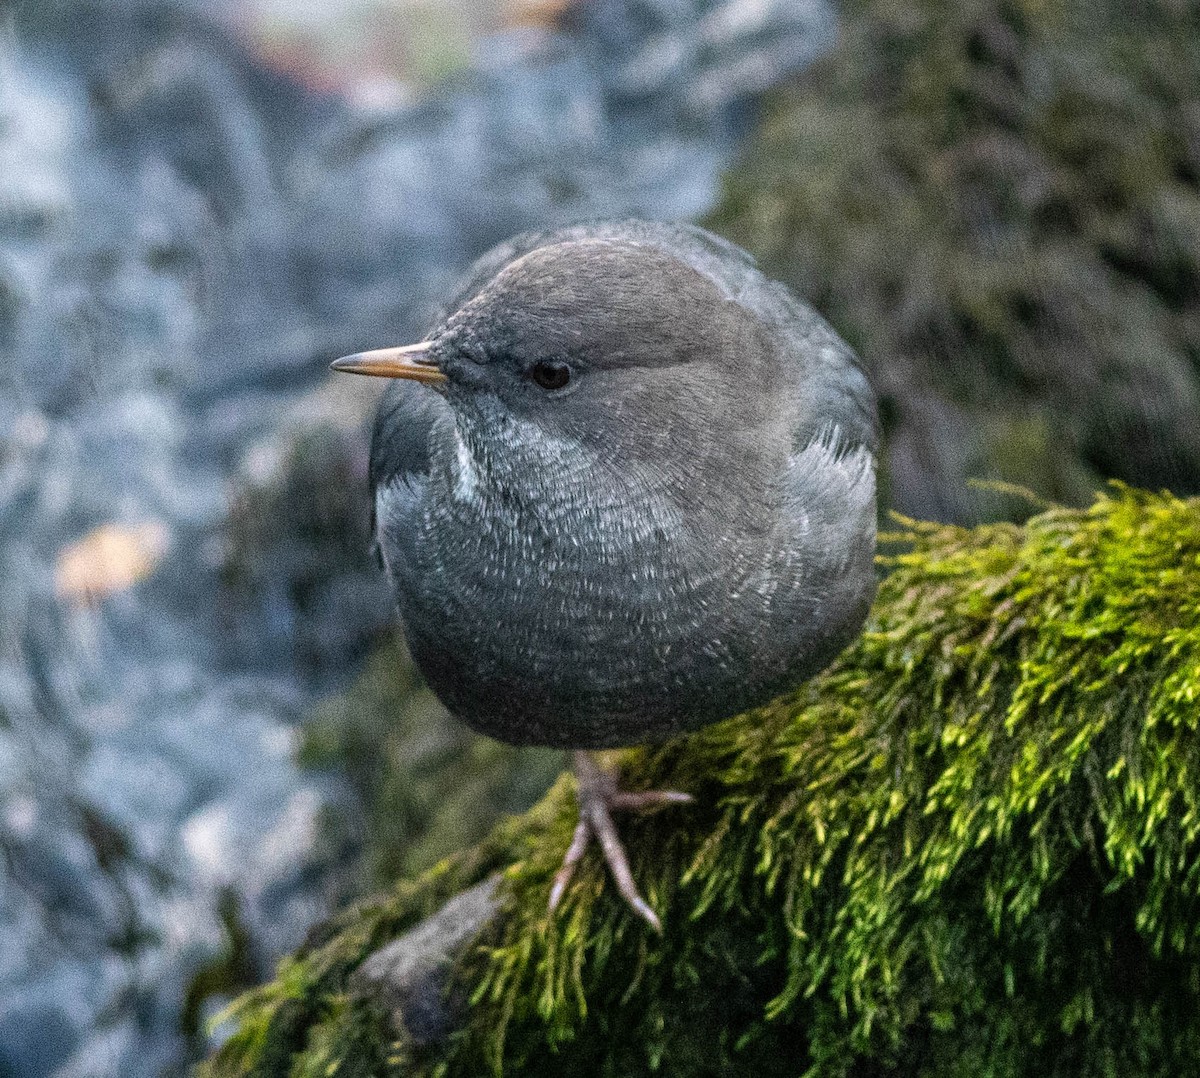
550	375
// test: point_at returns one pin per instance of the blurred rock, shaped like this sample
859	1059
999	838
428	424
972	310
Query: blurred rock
187	236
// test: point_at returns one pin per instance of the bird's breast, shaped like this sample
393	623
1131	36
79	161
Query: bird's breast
576	607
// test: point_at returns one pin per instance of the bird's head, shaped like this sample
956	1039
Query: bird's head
616	347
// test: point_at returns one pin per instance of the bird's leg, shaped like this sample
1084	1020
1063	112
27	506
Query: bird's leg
598	796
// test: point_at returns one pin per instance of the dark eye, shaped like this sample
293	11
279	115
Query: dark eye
550	375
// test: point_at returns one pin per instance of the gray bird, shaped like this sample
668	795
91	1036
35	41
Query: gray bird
624	488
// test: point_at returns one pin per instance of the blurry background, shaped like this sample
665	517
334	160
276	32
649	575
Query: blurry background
208	735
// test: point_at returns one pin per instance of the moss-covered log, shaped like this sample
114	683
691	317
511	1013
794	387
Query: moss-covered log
970	847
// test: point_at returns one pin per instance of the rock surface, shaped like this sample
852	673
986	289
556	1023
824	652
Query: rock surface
409	976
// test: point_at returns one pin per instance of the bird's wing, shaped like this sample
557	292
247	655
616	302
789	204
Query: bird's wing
835	435
833	394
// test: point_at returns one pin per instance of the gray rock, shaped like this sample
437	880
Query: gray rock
408	976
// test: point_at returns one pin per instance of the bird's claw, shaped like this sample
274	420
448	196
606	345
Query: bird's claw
598	796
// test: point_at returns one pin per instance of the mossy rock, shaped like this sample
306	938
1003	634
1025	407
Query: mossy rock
997	202
970	847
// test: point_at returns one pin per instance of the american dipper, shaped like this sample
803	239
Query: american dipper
624	488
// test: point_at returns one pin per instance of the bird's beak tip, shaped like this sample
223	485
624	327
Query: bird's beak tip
411	361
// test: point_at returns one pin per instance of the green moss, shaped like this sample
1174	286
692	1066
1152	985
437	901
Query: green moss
998	203
970	847
304	1014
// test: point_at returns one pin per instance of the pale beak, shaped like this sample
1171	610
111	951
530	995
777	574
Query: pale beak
414	361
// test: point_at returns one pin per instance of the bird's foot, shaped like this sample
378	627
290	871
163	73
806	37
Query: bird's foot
598	796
